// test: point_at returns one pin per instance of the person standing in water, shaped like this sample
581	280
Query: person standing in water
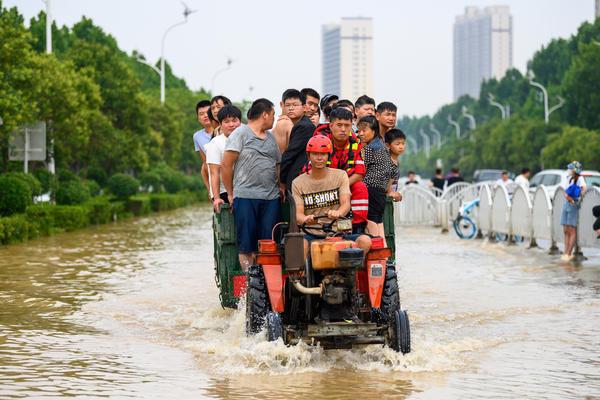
574	191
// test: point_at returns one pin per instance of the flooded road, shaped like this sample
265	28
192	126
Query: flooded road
131	310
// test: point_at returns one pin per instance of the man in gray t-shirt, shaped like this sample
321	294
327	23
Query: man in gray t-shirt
250	174
255	172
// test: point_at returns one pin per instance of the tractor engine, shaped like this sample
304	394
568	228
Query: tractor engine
336	261
337	288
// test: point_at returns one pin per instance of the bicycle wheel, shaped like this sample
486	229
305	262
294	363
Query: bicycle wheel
464	227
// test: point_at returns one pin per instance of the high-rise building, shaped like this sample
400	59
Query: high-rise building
483	47
348	58
597	8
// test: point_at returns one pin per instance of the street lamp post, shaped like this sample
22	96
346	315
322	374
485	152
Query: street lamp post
48	27
503	109
161	71
214	78
561	102
470	117
426	142
455	124
547	111
472	122
545	94
438	135
413	143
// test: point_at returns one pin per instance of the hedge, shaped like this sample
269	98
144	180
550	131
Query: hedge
15	195
44	220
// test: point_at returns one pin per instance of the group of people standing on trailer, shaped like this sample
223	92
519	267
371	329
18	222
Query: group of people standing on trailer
333	155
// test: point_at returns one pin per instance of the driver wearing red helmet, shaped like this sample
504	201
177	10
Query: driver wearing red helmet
323	191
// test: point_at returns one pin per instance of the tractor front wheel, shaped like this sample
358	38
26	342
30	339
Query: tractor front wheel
274	326
400	335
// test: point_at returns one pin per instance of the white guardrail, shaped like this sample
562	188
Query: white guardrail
529	216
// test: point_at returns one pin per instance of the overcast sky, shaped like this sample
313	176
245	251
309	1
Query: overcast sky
276	44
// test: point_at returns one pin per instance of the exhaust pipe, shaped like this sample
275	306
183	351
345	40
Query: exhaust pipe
304	290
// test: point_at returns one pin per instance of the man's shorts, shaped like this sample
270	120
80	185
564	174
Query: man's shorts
377	198
254	220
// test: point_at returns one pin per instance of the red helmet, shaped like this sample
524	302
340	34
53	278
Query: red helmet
319	144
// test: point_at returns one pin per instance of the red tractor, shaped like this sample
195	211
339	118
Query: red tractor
338	296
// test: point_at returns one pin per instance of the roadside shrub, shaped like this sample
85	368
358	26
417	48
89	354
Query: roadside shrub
47	180
174	182
93	187
151	181
99	210
166	201
70	218
14	229
30	180
98	175
72	193
123	186
41	220
15	195
139	205
119	211
64	175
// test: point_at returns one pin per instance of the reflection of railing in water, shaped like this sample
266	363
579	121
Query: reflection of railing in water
530	216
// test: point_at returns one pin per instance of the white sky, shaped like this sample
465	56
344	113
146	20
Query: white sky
276	44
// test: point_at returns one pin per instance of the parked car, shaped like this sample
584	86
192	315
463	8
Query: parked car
553	178
486	175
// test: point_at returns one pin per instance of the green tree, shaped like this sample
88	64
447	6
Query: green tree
573	143
582	88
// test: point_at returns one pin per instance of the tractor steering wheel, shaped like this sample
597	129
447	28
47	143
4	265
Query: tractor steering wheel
326	228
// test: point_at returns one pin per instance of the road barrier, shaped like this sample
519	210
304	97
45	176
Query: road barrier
527	216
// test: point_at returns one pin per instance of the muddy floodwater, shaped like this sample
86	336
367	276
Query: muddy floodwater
130	310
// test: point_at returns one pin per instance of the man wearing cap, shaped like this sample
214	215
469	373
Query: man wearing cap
327	103
323	191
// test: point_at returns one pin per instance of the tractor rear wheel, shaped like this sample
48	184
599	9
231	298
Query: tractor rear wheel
390	298
257	300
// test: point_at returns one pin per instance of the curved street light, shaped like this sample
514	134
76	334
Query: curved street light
214	78
426	142
547	111
161	72
438	135
561	102
503	109
472	122
413	143
470	117
455	124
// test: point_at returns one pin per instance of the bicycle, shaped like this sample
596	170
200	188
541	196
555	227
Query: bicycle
463	225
